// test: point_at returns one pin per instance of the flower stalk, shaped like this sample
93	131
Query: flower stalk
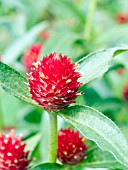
53	137
88	26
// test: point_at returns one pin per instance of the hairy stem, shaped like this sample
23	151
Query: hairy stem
53	137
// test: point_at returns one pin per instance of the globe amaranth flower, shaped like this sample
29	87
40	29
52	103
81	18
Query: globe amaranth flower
45	35
122	18
121	71
125	92
53	82
8	128
12	153
31	55
71	147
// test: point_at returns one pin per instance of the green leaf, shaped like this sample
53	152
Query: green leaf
34	115
23	42
97	63
15	83
99	128
33	142
97	158
48	166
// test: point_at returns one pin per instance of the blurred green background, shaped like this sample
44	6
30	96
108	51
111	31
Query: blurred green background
74	28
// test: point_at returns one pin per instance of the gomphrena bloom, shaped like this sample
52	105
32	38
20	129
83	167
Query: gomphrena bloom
125	92
12	153
8	128
31	55
53	82
122	18
121	71
45	35
71	147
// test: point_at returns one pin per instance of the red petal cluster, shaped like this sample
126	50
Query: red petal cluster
71	147
31	55
12	153
125	92
122	18
53	82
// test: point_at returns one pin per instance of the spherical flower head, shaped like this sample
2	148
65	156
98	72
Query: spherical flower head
12	153
31	55
53	82
125	92
45	35
71	147
122	18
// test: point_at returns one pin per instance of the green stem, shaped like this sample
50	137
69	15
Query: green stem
53	137
88	26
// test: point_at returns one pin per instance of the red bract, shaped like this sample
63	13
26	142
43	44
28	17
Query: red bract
53	82
71	147
125	92
31	55
12	153
122	18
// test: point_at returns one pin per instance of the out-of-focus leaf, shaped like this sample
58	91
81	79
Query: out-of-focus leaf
32	142
99	128
60	42
14	83
110	104
38	9
9	113
97	158
106	37
97	63
70	8
34	116
23	42
12	3
116	67
48	166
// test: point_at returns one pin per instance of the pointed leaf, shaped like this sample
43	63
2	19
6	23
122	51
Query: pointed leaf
15	83
97	158
99	128
97	63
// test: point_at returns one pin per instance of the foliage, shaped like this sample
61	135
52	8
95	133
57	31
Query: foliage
100	51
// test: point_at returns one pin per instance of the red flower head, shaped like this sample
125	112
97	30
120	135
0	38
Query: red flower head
31	56
71	147
53	82
125	92
9	128
12	153
121	18
45	35
121	71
